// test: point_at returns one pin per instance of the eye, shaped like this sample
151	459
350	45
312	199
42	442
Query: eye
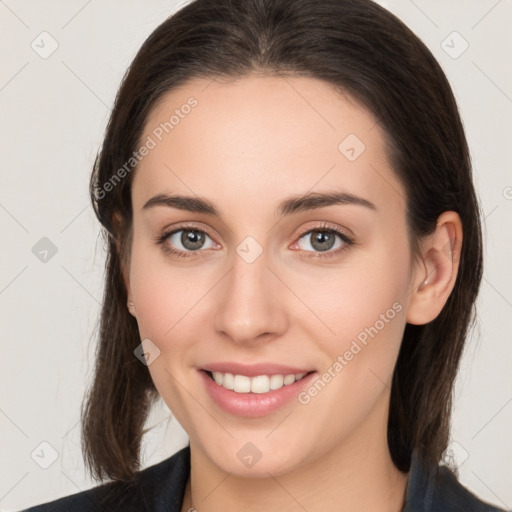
185	241
323	239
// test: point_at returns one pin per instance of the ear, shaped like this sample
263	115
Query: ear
436	272
125	271
130	304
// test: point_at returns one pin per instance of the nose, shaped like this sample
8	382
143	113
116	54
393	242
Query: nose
250	303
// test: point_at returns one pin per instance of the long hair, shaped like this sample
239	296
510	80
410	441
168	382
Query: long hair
365	52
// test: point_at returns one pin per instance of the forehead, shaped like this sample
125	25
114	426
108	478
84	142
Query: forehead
264	136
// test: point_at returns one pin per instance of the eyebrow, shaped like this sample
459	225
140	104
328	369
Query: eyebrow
289	206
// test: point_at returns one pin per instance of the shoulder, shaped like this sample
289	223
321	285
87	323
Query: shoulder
157	488
433	488
452	495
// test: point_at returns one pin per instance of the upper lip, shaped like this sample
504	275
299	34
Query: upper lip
252	370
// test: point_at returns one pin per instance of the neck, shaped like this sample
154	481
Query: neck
358	474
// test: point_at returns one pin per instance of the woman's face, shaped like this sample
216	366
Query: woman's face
263	289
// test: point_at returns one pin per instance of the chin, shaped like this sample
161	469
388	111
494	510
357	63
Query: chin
256	458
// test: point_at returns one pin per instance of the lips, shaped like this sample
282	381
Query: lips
255	378
254	390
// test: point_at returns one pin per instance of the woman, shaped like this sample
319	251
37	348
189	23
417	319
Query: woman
294	253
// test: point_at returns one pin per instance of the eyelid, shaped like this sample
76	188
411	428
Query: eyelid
326	226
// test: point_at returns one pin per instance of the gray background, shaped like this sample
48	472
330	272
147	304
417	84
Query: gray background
53	114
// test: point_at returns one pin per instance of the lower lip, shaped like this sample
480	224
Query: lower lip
254	404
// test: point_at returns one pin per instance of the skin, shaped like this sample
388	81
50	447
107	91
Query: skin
249	144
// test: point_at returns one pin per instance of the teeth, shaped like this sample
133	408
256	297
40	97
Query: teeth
289	379
259	384
242	384
276	381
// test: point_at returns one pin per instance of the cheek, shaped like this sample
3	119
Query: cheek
154	302
360	296
162	293
163	299
172	304
365	310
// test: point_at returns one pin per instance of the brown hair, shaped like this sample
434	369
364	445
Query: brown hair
365	52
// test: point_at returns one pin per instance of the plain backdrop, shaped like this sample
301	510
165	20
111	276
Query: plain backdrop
53	112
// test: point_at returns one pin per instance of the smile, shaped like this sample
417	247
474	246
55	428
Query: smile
257	384
254	391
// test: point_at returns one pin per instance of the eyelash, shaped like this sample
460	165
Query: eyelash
323	228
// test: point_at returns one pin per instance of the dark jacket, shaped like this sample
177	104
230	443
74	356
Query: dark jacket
160	488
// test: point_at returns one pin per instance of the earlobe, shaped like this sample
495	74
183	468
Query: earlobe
130	304
436	273
131	308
